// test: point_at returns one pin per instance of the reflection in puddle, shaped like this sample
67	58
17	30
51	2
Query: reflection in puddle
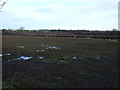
44	45
82	54
40	57
22	58
50	47
7	54
25	58
98	57
17	59
62	61
20	46
40	50
53	47
74	58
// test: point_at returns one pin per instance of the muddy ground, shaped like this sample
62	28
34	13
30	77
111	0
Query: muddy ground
77	63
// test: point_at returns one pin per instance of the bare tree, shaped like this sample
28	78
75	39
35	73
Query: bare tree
2	3
21	28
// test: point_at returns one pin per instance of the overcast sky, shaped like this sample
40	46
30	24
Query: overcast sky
60	14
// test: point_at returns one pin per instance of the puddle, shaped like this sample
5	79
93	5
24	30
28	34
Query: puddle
47	48
98	57
53	47
82	54
62	61
25	58
22	58
44	45
40	50
40	57
20	46
7	54
74	58
17	59
50	47
0	55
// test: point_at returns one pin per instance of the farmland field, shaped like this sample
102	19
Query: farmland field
40	62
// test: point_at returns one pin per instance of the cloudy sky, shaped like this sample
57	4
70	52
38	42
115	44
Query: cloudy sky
60	14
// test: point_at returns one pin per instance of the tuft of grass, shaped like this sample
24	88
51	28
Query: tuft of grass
66	57
49	60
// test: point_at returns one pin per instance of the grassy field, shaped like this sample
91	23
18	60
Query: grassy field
59	62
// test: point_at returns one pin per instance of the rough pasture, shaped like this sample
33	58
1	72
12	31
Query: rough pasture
59	62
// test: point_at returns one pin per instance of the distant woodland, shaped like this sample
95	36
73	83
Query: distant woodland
114	34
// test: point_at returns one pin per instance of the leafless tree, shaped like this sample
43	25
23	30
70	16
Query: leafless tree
2	3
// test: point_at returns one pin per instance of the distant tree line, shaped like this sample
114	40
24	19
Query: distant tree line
114	34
